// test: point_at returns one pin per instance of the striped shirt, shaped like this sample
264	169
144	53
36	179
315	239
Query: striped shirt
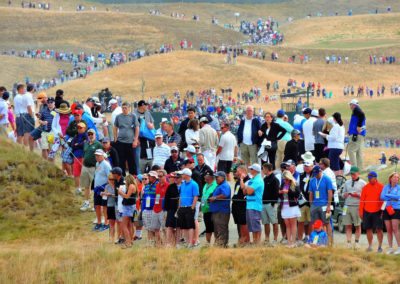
161	154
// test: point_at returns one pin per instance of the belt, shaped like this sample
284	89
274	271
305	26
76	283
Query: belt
20	114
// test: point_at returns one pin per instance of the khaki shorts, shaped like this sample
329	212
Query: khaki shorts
44	142
87	175
269	214
352	216
248	153
305	215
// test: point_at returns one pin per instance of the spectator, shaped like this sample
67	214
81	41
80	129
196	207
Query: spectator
286	137
172	138
318	237
171	202
192	132
309	139
111	152
128	207
304	222
208	141
357	132
158	217
24	111
248	136
319	144
227	150
208	191
239	205
336	142
174	162
184	126
292	151
116	110
161	151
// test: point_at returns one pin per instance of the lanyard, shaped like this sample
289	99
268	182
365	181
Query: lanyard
318	183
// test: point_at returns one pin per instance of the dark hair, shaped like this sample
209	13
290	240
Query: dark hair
3	89
270	113
338	117
30	88
325	161
20	86
268	166
191	109
192	123
322	112
59	92
155	168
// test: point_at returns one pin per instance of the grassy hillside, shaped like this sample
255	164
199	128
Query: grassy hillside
36	201
17	68
101	31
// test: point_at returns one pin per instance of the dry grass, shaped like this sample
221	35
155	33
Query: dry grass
16	69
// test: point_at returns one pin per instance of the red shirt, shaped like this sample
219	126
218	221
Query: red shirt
160	194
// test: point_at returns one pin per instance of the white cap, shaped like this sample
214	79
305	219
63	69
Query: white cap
190	149
331	120
112	101
204	119
255	167
314	112
174	148
153	174
353	102
186	171
158	135
164	119
99	152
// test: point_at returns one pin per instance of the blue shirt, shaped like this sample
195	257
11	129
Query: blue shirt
101	174
188	190
318	238
254	201
391	195
149	196
319	189
221	206
287	127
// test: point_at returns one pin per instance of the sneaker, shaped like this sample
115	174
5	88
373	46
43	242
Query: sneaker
390	251
397	251
273	243
356	246
119	241
136	238
380	250
104	227
182	241
305	240
349	245
85	206
97	227
196	244
78	191
369	249
284	242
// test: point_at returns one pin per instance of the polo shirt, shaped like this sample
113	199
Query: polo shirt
160	194
254	201
188	190
221	206
161	154
287	127
149	196
319	189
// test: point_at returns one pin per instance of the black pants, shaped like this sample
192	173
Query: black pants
319	152
272	156
126	154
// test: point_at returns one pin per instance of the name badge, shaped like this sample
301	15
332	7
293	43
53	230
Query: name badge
157	199
315	240
317	194
147	201
344	210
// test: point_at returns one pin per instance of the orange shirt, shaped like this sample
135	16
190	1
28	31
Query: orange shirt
139	195
370	200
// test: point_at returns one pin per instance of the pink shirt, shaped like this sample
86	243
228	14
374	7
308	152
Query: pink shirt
64	121
10	116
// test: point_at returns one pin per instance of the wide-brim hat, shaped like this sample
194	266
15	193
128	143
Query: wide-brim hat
64	109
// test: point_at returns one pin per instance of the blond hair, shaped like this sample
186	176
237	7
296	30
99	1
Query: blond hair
288	175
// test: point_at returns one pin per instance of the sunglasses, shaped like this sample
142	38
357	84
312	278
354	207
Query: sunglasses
111	179
144	178
174	151
81	127
90	134
197	147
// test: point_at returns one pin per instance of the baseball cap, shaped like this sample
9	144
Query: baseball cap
112	101
307	110
42	95
316	170
318	224
174	148
188	161
142	103
190	149
139	177
51	100
99	152
204	119
153	174
185	172
164	119
91	131
158	135
354	169
290	162
255	167
106	139
372	174
280	113
295	132
314	112
210	109
116	171
220	174
91	100
208	173
353	102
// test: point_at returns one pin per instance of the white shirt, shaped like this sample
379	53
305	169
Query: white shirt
309	138
3	111
228	144
247	131
336	137
20	104
330	174
31	102
191	136
161	154
116	111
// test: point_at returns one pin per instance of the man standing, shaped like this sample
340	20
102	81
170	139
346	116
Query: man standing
239	205
172	138
248	136
320	196
159	216
148	200
115	108
319	140
269	214
161	151
45	116
357	134
292	147
227	150
220	209
352	193
23	110
308	135
189	193
111	152
174	162
370	210
208	140
282	142
89	165
126	138
184	126
254	192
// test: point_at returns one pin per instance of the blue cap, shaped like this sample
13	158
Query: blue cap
116	170
372	174
210	109
139	177
307	110
316	170
280	113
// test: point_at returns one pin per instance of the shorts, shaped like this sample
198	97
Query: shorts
305	215
239	212
118	215
352	216
136	215
127	210
171	221
157	220
25	124
147	217
186	218
44	142
98	200
372	220
318	214
66	156
197	211
395	216
87	175
225	166
36	134
77	167
253	220
208	222
111	213
289	212
269	214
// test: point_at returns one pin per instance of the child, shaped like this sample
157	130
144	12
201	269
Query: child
109	193
318	237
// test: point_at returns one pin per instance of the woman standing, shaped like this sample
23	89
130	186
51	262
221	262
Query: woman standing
336	142
391	215
289	195
111	202
128	207
192	133
273	132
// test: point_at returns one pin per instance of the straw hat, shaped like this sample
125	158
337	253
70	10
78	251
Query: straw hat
64	109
